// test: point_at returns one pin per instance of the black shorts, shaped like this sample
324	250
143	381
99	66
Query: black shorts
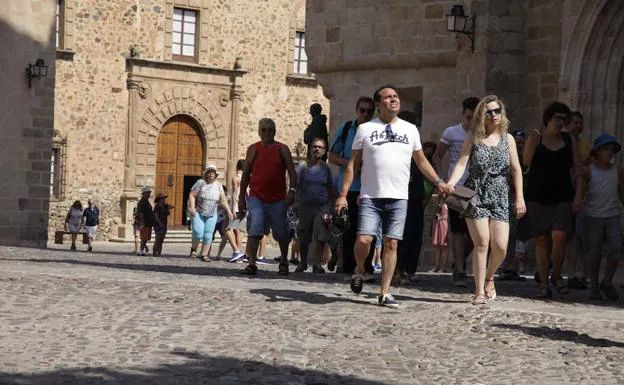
458	224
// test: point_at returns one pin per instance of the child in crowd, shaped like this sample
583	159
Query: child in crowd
440	236
602	185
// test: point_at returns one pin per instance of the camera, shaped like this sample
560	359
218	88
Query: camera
340	221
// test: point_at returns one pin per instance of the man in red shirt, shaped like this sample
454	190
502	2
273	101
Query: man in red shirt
264	172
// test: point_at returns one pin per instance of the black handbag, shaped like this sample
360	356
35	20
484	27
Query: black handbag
464	199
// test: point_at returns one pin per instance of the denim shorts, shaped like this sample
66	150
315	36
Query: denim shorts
602	237
203	227
390	213
264	216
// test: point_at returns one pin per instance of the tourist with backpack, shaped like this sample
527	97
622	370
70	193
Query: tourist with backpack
339	154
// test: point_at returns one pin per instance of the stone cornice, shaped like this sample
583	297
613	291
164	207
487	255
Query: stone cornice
387	62
132	62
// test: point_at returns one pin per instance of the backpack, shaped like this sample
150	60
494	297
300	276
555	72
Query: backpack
343	135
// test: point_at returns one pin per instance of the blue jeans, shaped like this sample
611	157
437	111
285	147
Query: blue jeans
203	227
267	215
390	213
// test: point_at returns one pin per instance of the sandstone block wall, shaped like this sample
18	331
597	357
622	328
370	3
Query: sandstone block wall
26	121
92	97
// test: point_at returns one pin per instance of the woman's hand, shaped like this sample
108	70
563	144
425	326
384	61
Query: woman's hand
520	208
192	211
230	215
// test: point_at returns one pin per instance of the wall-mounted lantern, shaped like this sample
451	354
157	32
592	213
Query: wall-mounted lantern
39	69
462	24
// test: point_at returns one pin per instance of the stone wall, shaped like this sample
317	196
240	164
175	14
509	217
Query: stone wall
92	97
26	120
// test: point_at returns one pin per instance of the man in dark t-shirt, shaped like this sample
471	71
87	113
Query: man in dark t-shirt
145	216
92	220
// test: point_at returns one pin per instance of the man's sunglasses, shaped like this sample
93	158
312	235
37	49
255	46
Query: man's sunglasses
369	111
389	133
491	113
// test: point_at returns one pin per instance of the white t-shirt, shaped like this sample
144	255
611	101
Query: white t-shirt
454	138
385	162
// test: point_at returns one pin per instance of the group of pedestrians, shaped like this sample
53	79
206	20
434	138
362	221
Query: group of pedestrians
385	178
77	219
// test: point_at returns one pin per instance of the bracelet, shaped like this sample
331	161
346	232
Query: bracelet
437	181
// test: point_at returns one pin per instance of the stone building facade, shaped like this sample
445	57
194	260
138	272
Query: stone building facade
529	52
149	92
26	120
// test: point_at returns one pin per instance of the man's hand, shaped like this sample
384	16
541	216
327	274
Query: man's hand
445	188
341	203
577	205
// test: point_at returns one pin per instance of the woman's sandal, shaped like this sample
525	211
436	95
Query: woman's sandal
491	292
479	299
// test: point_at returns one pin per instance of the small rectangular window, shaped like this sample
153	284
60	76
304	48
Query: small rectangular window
300	60
56	172
184	36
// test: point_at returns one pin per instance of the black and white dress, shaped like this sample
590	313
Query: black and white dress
494	197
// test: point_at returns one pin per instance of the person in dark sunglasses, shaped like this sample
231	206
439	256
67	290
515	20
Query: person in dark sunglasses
340	154
494	173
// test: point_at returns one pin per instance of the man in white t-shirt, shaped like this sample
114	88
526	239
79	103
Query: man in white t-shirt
383	148
452	140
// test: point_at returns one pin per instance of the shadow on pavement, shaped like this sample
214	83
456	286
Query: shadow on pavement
197	369
562	335
316	298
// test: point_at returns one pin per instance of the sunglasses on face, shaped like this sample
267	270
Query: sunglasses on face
389	133
368	111
491	113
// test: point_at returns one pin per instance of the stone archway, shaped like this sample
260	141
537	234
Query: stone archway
181	101
592	78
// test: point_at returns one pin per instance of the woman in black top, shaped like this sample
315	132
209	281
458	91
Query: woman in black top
551	156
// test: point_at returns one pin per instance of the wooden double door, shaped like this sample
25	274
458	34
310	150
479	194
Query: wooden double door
179	163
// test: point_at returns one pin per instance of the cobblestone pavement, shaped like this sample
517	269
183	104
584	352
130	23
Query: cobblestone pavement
112	318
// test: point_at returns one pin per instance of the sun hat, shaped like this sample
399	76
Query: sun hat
604	139
161	195
211	167
145	190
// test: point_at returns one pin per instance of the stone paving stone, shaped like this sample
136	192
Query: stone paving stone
109	317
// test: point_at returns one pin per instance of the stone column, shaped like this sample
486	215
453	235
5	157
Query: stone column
129	196
232	157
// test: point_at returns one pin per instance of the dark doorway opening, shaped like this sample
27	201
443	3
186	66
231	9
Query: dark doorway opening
189	181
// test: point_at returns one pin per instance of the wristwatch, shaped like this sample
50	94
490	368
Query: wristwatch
438	181
292	189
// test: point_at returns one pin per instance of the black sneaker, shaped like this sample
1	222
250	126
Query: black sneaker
388	300
609	291
90	248
460	279
250	270
577	284
318	269
73	248
357	282
283	268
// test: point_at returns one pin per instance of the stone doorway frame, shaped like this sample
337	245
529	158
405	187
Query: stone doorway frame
157	91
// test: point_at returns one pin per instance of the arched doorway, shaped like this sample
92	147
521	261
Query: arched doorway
179	163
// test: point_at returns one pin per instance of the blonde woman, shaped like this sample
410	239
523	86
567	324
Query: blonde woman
493	168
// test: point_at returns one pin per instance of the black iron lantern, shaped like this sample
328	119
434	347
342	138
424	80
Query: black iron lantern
458	21
39	69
